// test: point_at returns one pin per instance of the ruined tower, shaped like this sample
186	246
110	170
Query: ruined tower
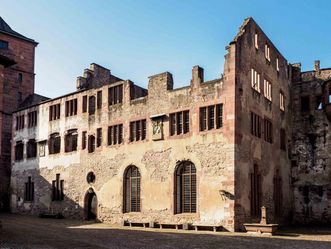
16	84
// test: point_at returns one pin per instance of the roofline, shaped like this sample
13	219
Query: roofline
20	37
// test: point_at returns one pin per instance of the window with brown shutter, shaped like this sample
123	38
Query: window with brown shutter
211	117
185	188
131	195
179	123
138	130
91	144
32	119
255	192
20	122
115	134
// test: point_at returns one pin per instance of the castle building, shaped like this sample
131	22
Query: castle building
16	84
212	152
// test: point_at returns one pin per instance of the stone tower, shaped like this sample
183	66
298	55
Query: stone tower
16	84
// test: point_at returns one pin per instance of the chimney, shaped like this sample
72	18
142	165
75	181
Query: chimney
197	76
317	66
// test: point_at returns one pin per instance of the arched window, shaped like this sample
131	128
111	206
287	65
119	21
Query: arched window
131	190
185	188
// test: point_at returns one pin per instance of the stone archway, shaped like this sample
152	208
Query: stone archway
90	205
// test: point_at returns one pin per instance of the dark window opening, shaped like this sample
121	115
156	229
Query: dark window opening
115	134
54	143
179	123
99	99
57	189
91	105
255	192
99	137
138	130
268	131
305	103
115	95
20	122
3	44
20	78
131	190
19	150
256	125
282	139
91	144
185	188
31	149
319	103
71	139
29	190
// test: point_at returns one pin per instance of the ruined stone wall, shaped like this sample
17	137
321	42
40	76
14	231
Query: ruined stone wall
311	165
212	153
250	149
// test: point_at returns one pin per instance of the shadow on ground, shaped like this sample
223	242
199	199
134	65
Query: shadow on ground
31	232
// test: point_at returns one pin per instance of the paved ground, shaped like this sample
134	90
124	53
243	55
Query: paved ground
21	232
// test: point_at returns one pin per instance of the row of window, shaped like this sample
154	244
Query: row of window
185	189
32	120
257	123
267	87
305	102
185	198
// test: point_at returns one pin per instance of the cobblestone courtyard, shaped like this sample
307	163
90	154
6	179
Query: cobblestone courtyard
20	232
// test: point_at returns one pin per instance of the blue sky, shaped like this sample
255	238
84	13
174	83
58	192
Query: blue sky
139	38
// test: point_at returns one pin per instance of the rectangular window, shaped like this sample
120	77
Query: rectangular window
179	123
255	80
267	90
71	107
57	189
3	44
20	78
54	112
256	41
115	95
282	139
84	107
99	99
19	150
29	190
31	149
54	143
71	140
268	130
138	130
318	103
277	65
255	125
305	103
20	122
32	119
115	134
281	101
267	52
84	140
99	137
211	117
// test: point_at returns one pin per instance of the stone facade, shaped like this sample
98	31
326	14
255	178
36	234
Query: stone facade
16	83
241	161
311	165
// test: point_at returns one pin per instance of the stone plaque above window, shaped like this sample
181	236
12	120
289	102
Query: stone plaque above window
157	125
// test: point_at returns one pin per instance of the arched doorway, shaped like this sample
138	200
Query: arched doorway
91	204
